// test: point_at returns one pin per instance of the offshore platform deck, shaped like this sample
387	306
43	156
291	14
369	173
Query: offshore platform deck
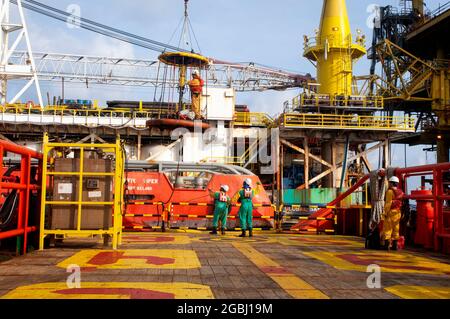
116	200
196	265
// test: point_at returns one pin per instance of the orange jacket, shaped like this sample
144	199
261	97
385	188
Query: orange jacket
394	198
196	85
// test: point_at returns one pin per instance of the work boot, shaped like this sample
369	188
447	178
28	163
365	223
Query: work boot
223	231
243	233
394	245
250	232
386	245
214	231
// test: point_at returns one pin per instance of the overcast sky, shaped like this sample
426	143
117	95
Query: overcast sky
264	31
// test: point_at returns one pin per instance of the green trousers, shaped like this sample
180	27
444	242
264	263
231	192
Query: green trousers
220	213
246	215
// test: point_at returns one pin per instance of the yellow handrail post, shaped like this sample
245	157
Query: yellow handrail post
43	191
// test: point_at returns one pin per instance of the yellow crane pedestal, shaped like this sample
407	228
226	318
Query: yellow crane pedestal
333	50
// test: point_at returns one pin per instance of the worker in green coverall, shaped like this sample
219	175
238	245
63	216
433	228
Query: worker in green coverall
245	197
221	205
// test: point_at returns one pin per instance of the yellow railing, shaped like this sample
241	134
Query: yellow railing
313	42
331	121
252	119
352	101
60	110
234	160
229	160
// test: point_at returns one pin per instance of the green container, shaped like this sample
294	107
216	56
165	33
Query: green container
318	196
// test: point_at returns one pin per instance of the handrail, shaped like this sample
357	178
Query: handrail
252	119
400	123
59	110
26	183
323	100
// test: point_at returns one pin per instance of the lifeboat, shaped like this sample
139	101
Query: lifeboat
174	123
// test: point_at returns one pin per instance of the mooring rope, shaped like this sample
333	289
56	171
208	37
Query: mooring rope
378	188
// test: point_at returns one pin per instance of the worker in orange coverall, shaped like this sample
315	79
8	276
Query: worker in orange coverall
392	214
196	87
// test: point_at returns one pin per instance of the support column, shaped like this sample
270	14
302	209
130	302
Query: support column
386	154
4	46
278	191
333	153
306	162
139	145
441	110
281	173
442	151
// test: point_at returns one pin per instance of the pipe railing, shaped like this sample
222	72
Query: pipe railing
25	184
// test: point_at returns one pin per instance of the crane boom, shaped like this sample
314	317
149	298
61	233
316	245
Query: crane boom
148	73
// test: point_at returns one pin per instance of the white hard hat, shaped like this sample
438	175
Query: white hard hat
248	181
225	188
195	72
394	179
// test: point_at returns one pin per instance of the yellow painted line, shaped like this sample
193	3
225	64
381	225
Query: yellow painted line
192	216
329	230
138	227
266	217
202	228
312	230
209	216
420	292
134	259
395	262
111	290
331	207
321	241
202	204
193	231
290	283
184	204
320	218
139	203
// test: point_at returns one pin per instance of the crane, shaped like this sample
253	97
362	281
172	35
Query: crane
140	72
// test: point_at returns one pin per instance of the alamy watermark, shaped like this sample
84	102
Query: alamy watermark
74	19
250	146
374	279
374	19
74	279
